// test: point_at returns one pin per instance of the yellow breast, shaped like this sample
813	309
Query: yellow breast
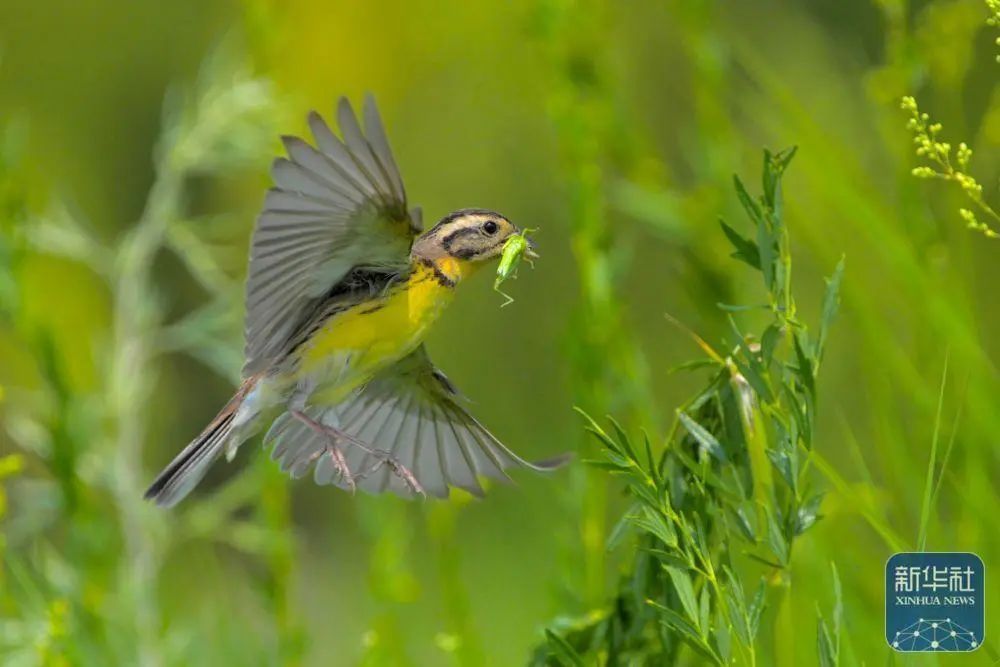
378	332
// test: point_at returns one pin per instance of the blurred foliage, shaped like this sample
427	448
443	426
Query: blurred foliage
615	128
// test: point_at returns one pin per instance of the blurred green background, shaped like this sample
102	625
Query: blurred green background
615	128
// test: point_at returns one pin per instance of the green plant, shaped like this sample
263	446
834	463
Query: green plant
828	634
993	6
731	490
939	157
608	370
84	578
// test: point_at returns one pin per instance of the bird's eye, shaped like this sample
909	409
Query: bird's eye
490	227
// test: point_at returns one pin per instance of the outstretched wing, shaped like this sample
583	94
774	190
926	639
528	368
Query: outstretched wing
334	207
410	411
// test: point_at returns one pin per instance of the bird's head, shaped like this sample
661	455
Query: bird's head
465	239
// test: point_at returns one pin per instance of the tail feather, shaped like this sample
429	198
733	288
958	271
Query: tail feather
189	467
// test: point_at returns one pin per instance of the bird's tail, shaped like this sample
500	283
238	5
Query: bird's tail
189	467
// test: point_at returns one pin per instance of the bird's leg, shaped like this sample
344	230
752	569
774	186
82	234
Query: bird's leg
331	436
382	457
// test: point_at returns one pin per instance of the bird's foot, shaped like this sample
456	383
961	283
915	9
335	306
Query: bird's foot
382	457
332	437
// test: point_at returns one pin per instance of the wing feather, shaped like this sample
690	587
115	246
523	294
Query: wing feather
462	470
292	176
335	150
380	145
336	206
324	170
408	410
429	470
359	149
378	482
280	202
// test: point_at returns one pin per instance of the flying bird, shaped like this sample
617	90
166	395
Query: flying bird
343	286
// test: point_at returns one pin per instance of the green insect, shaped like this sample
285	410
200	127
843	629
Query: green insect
516	247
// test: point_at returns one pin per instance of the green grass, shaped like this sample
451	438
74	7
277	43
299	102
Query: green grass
926	505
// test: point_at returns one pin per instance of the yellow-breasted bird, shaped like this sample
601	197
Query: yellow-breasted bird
340	295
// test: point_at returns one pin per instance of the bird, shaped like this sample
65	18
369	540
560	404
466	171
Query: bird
343	286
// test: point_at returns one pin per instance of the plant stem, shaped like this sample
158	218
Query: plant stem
135	321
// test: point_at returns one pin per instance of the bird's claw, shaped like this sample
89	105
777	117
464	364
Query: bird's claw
398	469
404	474
339	461
340	464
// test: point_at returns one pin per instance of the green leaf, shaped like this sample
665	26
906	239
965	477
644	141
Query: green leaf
766	245
808	513
736	605
805	364
685	592
623	440
611	462
764	561
708	477
620	528
781	162
736	308
605	440
694	364
746	250
784	464
645	493
825	645
731	402
651	464
704	610
668	559
749	205
768	178
655	524
783	157
776	538
774	168
745	358
753	372
676	622
594	429
838	601
708	392
756	609
723	640
800	413
704	438
744	524
831	301
562	650
827	637
769	342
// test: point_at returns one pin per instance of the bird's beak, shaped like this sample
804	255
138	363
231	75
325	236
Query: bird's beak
532	248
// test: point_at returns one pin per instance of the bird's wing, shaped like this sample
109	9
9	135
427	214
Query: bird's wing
410	411
334	207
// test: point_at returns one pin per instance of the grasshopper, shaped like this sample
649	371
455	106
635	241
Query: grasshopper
516	247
